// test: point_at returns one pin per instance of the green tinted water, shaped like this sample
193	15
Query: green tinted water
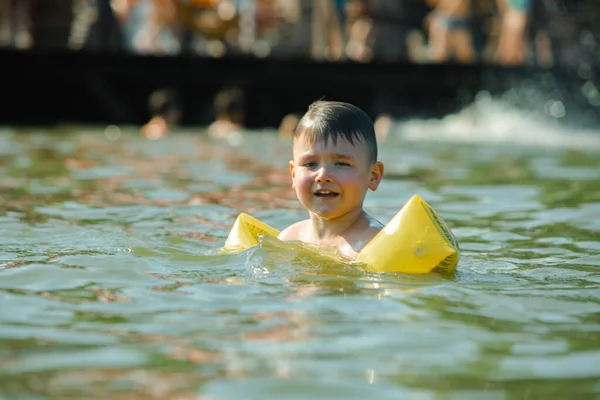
110	285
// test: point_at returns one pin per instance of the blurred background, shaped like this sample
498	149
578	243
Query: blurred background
403	58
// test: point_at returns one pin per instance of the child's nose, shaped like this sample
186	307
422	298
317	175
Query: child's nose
322	175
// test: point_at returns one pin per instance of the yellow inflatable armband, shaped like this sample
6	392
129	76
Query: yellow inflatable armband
416	240
246	231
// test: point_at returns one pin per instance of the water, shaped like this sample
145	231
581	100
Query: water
111	285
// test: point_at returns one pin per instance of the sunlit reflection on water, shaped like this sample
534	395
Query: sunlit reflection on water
112	285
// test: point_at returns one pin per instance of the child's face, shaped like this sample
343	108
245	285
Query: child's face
332	180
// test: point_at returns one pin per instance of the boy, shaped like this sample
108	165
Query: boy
334	163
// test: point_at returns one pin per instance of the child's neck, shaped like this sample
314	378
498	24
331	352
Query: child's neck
323	230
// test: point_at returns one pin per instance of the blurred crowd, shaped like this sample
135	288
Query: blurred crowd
506	32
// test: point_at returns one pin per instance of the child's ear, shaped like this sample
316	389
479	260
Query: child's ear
376	175
292	173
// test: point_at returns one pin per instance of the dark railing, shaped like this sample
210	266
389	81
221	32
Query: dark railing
400	57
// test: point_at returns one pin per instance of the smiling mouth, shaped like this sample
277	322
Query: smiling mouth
326	194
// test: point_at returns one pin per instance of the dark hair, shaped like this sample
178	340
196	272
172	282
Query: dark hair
165	103
229	100
335	120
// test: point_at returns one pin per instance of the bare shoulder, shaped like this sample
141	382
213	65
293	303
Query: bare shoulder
368	232
374	225
293	232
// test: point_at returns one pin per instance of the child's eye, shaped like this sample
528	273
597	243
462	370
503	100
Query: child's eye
342	164
310	164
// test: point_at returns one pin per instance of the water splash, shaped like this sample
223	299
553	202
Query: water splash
497	121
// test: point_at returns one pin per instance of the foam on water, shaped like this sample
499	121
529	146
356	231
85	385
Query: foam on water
497	121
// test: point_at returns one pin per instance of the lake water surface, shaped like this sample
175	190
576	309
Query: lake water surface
111	286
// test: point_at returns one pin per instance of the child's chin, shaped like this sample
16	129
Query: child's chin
327	214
